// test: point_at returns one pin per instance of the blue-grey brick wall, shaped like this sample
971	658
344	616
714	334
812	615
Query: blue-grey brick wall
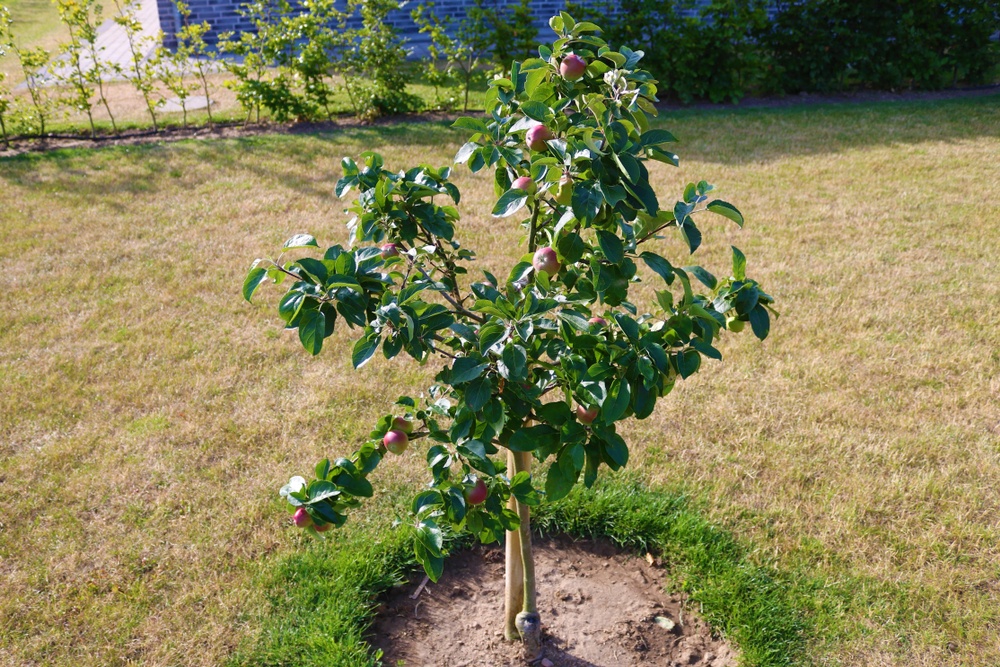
224	17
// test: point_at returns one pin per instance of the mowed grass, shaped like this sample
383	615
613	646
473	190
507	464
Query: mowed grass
149	415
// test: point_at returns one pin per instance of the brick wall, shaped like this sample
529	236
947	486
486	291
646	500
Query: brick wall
223	16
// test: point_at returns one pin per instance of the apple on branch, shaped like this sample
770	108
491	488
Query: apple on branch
525	183
396	441
537	137
545	259
572	67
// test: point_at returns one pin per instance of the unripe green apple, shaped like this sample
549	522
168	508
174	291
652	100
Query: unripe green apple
537	136
735	325
390	250
586	415
545	259
525	183
572	67
477	494
396	442
402	424
301	518
564	195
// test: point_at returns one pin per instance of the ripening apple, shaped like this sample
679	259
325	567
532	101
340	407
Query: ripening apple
598	321
564	195
396	441
735	325
537	136
301	518
402	424
586	415
525	183
390	250
323	527
572	67
477	494
545	259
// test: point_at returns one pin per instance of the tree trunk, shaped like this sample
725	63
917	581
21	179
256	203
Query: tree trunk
521	612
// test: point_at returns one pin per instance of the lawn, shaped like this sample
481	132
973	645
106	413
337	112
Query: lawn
149	415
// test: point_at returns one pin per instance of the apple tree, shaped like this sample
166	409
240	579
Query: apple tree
538	366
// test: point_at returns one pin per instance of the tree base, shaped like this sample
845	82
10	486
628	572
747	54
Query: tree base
529	625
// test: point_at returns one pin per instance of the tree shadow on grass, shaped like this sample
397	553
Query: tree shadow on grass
294	158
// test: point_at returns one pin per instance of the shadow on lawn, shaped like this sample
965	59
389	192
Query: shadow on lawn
289	158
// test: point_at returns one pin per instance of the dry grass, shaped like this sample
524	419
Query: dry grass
149	415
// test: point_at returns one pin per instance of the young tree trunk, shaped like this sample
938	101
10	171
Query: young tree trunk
521	612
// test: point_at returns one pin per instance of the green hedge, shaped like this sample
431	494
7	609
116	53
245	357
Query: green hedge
727	49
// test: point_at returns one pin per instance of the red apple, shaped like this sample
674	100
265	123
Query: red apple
537	136
323	527
301	518
586	416
402	424
396	442
572	67
545	259
598	321
526	184
477	494
390	250
564	195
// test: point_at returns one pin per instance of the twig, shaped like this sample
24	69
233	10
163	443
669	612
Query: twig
420	589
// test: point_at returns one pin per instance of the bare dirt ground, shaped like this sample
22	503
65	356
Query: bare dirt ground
599	608
54	142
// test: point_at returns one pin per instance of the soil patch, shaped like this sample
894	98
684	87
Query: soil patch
599	608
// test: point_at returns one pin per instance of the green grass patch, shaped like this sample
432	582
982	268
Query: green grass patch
322	598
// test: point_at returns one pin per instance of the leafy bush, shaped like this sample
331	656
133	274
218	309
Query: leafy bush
840	44
375	66
463	50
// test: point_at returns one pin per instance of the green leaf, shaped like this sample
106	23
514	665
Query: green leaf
510	203
490	335
531	438
616	404
760	322
254	278
429	535
660	266
465	152
656	137
301	241
739	264
312	328
536	111
521	487
629	326
466	369
611	246
474	124
558	484
586	201
688	363
615	450
365	348
706	278
433	565
477	393
515	359
726	210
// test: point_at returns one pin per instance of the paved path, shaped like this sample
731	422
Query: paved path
112	41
